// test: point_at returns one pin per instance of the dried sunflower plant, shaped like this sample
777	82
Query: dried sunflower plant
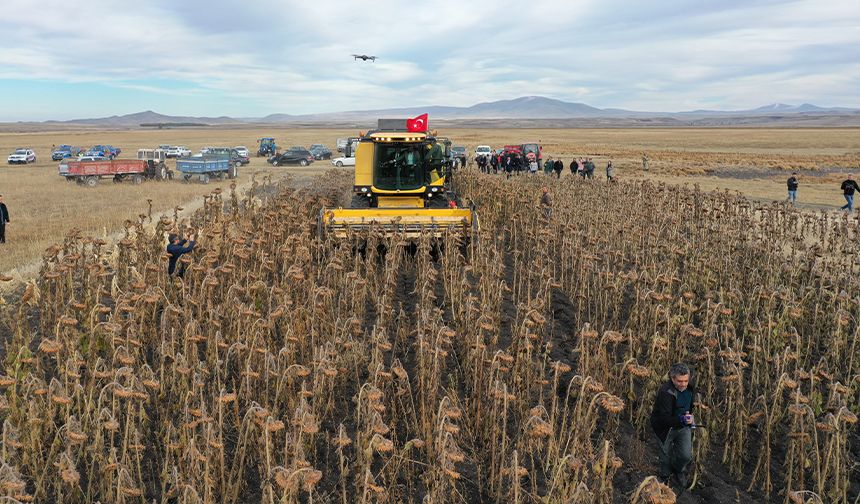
288	367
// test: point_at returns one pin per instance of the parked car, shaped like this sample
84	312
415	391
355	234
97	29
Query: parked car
242	150
300	157
459	153
176	151
22	156
228	152
343	161
108	151
483	150
64	151
320	151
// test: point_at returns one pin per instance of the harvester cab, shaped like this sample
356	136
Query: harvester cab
267	147
401	185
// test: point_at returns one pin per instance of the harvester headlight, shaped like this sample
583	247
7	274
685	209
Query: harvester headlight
363	189
435	189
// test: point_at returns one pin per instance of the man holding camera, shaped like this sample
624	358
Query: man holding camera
176	247
672	421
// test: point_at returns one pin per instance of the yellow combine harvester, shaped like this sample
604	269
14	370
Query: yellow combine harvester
401	185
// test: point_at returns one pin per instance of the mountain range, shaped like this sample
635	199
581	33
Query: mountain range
527	108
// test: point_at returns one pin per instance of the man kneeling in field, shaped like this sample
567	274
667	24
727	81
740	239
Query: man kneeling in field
672	421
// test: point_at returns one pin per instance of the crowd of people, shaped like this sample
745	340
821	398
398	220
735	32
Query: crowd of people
512	163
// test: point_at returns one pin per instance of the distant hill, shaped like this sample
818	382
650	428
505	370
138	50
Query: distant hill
524	110
147	117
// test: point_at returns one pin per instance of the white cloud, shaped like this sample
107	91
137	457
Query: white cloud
293	57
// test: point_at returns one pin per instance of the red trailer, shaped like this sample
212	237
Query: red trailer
135	170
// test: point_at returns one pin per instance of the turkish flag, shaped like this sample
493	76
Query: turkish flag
418	124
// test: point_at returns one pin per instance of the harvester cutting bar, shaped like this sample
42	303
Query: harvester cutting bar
340	222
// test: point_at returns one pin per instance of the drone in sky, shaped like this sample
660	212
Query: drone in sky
364	57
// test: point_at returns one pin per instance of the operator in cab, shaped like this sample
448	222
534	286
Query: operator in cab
435	162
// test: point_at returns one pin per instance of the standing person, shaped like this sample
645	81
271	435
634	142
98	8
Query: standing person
176	248
848	188
558	166
610	171
546	202
533	166
580	167
672	421
645	161
792	188
509	165
548	166
589	168
573	166
4	219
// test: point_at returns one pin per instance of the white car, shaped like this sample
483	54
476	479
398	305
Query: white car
177	151
483	150
22	156
242	150
343	161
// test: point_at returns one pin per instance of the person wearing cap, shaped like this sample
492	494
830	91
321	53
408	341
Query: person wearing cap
176	248
672	421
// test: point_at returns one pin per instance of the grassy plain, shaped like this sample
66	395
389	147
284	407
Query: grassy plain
753	161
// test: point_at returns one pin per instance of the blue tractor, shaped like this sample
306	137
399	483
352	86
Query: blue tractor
267	147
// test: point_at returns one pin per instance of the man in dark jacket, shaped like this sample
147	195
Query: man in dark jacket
176	248
672	421
792	188
559	166
4	218
848	188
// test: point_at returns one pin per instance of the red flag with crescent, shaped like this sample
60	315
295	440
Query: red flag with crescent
418	124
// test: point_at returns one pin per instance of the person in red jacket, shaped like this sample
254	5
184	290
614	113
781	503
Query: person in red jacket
672	421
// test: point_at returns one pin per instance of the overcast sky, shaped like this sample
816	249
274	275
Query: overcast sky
91	58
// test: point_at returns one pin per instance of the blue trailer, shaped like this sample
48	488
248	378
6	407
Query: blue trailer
207	167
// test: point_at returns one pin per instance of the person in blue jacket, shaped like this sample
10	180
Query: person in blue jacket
176	248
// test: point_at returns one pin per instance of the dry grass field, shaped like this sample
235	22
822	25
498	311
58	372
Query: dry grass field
754	161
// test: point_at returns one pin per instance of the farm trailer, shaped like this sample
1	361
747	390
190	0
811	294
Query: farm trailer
206	167
136	170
